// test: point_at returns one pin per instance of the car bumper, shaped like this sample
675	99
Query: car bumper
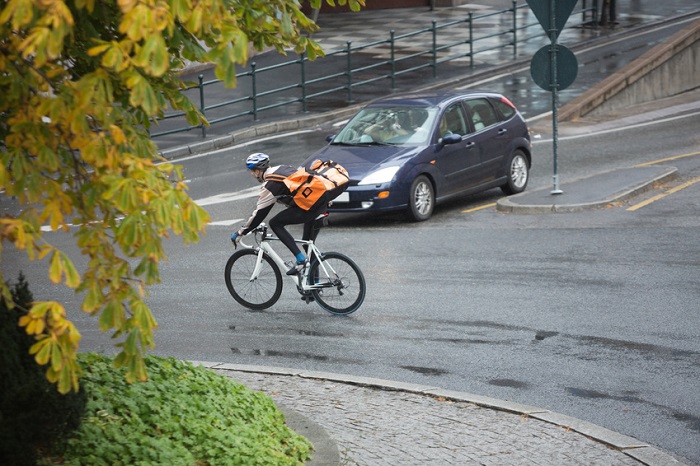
381	198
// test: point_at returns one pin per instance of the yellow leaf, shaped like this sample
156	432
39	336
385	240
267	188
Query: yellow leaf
43	251
56	268
117	134
40	308
72	276
42	351
127	5
73	335
35	327
65	381
98	49
52	375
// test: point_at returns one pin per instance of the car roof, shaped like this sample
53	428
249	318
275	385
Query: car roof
430	98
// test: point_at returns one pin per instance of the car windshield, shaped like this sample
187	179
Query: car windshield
389	125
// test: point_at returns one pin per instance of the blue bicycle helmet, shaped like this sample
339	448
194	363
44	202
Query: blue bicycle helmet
257	160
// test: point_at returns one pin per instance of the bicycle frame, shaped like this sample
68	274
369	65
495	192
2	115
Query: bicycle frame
301	280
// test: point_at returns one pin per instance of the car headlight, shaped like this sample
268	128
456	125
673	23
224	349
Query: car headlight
383	175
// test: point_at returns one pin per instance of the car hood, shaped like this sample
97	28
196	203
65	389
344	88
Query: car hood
360	161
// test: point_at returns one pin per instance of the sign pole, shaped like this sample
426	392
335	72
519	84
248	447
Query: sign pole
555	93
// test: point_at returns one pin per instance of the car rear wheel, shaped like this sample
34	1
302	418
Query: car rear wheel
422	199
518	174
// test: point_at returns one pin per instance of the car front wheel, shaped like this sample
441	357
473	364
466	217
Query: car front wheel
518	174
422	199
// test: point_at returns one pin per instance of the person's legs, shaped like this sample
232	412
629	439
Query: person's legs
290	216
309	232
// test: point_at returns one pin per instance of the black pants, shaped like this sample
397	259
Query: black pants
294	216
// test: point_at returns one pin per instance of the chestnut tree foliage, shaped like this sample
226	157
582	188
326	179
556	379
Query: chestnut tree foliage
81	83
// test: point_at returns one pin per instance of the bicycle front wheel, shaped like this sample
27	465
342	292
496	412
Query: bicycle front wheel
339	286
253	289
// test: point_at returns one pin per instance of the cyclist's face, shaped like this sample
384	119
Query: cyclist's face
257	174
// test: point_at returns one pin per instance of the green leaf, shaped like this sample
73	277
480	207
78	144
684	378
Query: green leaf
112	316
72	276
42	351
56	361
93	299
286	26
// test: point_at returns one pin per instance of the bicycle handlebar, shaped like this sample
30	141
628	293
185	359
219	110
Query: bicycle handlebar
260	229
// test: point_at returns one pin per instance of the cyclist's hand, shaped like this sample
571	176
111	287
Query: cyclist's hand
235	238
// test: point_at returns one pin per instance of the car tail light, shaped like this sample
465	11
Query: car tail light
507	102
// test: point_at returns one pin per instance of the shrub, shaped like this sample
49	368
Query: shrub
183	415
32	412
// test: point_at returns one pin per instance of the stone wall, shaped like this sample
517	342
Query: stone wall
670	68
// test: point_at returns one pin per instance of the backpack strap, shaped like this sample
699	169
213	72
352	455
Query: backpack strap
325	166
275	177
302	184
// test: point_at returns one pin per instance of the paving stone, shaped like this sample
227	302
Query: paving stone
375	427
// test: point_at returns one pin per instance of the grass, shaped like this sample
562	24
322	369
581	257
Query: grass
183	415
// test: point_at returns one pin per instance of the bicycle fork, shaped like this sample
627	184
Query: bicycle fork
258	265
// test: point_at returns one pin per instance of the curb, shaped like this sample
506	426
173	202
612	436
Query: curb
640	451
510	204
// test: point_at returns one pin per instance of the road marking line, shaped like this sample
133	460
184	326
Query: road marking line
229	197
468	211
177	160
667	159
226	223
662	195
619	129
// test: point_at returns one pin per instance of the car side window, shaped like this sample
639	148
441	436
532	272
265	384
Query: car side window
453	121
482	113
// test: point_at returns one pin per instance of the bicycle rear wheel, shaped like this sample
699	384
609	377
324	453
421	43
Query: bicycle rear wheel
340	285
259	292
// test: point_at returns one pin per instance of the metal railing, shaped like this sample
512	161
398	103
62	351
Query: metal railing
339	72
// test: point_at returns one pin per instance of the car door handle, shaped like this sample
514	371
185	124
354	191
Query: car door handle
470	145
502	131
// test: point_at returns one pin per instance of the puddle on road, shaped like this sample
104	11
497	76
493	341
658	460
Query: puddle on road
426	370
510	383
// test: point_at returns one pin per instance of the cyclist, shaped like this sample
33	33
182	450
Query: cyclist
273	190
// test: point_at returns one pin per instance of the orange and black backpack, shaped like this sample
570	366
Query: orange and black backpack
322	182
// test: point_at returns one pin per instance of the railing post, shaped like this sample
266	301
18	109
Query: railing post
434	30
255	91
515	28
201	103
595	14
349	70
392	63
302	57
471	41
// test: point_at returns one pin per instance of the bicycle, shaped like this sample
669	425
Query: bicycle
254	278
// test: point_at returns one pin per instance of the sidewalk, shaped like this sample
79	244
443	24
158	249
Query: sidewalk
374	25
360	421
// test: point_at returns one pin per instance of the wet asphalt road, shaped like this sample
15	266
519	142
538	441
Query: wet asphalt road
592	314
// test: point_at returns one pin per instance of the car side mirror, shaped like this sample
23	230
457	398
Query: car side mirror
450	139
330	138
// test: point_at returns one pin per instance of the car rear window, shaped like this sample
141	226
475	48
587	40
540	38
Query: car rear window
506	110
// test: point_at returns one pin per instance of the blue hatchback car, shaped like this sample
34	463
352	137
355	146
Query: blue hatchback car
410	151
